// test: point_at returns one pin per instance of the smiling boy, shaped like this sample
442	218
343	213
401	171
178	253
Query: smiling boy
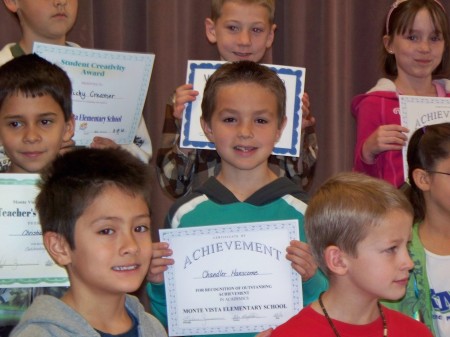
94	210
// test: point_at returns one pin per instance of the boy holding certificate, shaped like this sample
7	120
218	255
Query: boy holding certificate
49	21
35	119
94	210
241	30
359	229
243	113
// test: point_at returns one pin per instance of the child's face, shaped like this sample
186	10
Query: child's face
45	20
381	268
244	125
419	52
113	246
242	32
32	131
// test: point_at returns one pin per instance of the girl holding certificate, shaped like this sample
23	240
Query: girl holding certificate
416	41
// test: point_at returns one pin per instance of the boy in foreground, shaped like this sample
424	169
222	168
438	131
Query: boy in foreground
358	228
243	114
93	207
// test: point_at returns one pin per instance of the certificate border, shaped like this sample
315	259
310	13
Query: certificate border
295	139
147	59
171	300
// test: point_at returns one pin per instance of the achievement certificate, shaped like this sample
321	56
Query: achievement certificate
192	135
108	89
419	111
24	262
231	278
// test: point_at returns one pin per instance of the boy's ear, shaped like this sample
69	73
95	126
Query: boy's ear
421	179
210	29
11	5
271	36
335	260
281	128
70	129
207	130
58	248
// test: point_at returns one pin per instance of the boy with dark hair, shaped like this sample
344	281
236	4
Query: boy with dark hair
243	113
35	112
359	228
94	210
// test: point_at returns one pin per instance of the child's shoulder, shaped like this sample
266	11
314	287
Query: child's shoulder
304	323
399	324
147	323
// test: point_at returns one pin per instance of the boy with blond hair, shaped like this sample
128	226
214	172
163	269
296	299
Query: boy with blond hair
241	30
359	228
94	210
243	114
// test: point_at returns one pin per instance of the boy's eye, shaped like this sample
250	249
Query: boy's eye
106	231
261	121
142	229
391	250
15	124
233	28
258	30
46	122
229	120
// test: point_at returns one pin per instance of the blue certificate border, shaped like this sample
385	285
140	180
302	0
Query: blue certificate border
171	295
295	139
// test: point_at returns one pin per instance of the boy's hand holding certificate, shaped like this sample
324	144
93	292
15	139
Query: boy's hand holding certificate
192	135
109	89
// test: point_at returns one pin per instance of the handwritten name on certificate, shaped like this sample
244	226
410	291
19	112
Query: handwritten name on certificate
24	262
419	111
109	89
231	278
192	135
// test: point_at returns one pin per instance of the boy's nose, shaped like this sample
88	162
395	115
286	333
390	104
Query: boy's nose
31	135
246	130
244	38
129	244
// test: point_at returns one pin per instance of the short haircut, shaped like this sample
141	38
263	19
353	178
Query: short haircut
344	209
216	7
243	72
70	184
427	147
33	76
401	20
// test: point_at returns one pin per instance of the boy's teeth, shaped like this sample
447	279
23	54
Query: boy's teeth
125	268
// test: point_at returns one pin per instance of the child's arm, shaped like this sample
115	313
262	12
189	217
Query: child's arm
140	148
314	282
174	165
155	277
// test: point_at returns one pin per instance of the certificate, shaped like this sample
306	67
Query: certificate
24	261
192	135
231	278
419	111
108	89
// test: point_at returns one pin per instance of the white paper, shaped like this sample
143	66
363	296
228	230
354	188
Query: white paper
109	89
231	278
192	135
418	112
24	261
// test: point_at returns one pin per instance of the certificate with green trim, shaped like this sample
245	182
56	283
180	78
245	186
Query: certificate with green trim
24	261
109	89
